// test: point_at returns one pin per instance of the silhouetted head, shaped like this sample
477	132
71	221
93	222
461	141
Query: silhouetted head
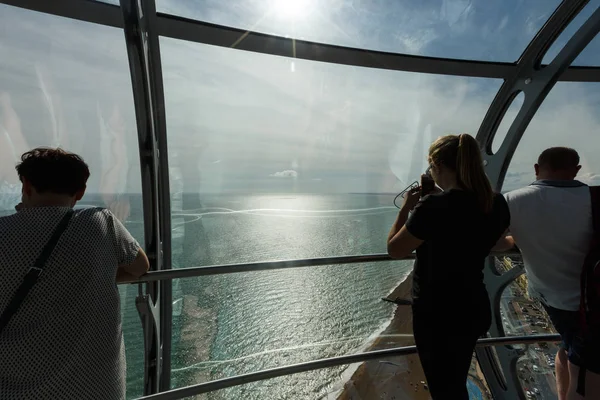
455	162
557	163
52	177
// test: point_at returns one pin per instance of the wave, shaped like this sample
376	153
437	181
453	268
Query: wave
289	213
348	373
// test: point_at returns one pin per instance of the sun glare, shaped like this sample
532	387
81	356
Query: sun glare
291	8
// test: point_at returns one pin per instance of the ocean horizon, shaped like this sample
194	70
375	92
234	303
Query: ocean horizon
225	325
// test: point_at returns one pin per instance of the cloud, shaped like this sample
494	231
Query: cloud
460	29
590	178
288	173
358	129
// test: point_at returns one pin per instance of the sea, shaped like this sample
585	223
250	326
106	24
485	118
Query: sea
230	324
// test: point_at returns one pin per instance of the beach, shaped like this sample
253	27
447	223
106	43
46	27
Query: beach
198	328
400	377
396	377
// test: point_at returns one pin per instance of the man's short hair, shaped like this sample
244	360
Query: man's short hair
559	158
53	171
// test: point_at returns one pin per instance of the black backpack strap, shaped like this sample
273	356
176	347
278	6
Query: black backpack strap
34	272
595	194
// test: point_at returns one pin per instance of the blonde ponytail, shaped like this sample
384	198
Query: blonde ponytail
461	153
470	172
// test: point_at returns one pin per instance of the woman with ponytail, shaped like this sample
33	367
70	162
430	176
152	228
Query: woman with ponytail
453	231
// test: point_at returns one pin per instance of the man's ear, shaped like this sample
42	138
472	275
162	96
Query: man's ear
27	187
536	167
577	169
79	194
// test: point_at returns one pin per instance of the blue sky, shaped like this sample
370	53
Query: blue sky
475	29
246	122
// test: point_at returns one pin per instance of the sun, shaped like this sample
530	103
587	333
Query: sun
291	8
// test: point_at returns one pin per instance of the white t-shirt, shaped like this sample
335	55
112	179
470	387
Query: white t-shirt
551	222
65	341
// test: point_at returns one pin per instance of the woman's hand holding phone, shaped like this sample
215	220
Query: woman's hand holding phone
411	198
427	185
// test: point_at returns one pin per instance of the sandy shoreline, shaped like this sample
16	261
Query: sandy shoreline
393	378
398	377
195	333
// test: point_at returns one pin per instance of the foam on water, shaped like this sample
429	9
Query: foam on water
274	318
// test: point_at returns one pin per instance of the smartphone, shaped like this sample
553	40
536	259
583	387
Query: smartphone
427	184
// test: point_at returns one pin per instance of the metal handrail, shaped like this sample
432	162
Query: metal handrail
225	383
272	265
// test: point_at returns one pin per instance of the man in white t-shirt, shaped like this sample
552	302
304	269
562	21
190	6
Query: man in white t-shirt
551	223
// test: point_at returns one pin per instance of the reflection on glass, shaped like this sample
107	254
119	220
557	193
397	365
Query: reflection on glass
488	30
274	162
590	56
64	89
568	117
274	158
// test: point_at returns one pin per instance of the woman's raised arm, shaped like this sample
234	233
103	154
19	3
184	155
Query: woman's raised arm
401	242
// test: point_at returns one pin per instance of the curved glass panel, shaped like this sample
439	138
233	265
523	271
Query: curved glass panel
277	158
216	335
568	117
296	151
274	158
523	316
464	29
590	56
67	90
239	323
507	120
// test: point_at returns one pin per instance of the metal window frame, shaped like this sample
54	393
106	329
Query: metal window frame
138	65
243	379
526	74
145	67
535	81
190	272
166	290
206	33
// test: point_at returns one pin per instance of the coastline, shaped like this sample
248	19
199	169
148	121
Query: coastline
195	333
398	377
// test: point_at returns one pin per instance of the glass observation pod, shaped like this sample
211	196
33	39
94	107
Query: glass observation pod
255	147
